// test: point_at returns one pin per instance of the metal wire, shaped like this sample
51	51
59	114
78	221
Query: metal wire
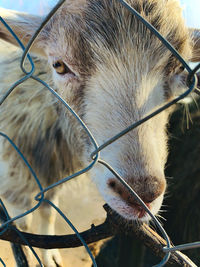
166	258
33	174
2	262
183	247
28	74
95	156
7	226
40	196
74	229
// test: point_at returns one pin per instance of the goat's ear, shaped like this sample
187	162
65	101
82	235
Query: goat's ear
24	26
195	33
177	84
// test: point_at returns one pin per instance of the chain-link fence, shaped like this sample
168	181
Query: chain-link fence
95	156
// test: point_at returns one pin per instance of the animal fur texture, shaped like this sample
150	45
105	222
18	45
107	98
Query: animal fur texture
112	71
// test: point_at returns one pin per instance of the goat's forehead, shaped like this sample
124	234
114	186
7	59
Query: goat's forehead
85	26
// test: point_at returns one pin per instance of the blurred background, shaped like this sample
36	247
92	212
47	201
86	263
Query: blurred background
38	7
182	202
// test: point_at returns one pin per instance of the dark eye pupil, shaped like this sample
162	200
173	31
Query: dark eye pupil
61	67
57	64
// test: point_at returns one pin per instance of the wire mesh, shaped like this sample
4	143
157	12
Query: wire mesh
95	157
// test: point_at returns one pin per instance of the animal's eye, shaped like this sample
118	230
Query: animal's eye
61	68
180	69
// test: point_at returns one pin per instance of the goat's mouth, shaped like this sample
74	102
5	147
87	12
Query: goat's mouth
140	211
129	206
134	211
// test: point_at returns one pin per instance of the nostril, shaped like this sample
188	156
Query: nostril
112	184
115	187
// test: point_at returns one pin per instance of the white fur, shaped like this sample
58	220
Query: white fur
122	86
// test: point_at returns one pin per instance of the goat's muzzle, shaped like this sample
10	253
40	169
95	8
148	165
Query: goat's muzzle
147	188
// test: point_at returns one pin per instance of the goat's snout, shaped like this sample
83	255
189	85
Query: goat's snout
151	188
147	188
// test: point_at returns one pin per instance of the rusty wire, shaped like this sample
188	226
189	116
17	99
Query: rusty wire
192	81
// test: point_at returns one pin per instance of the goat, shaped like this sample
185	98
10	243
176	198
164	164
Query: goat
112	71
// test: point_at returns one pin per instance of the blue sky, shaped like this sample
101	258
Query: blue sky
191	11
191	8
38	7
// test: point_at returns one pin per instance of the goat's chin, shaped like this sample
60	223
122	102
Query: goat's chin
133	212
